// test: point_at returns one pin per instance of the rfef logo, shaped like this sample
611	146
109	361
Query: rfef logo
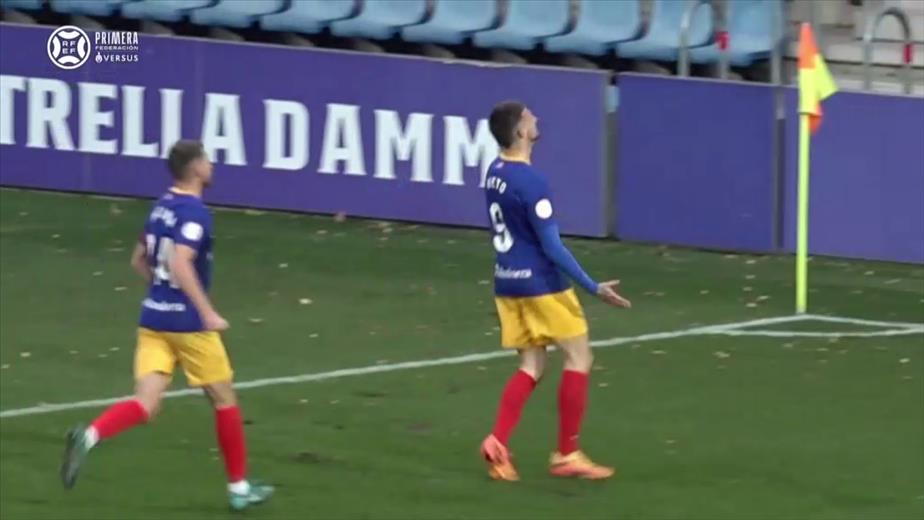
68	47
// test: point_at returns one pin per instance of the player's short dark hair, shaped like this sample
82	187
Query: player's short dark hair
181	155
504	120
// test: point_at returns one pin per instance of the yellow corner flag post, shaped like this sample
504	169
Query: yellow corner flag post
815	84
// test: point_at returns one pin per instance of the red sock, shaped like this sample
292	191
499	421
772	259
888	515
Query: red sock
515	395
118	418
230	430
572	399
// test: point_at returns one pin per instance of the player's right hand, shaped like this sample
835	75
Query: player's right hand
607	291
214	321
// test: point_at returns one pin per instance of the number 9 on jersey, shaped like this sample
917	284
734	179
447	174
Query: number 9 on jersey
503	240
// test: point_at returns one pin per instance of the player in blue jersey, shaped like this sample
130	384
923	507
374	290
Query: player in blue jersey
178	325
535	302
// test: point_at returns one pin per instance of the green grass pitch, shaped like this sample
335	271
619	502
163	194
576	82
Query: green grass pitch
700	426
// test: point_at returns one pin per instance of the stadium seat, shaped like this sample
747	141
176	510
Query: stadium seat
527	22
600	24
236	13
752	26
381	19
162	10
662	41
87	7
309	16
21	4
453	21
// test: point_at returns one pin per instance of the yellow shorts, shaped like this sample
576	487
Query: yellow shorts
538	321
201	354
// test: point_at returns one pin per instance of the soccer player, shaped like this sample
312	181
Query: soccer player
178	325
535	303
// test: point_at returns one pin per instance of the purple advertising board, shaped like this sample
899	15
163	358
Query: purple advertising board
696	163
866	194
293	128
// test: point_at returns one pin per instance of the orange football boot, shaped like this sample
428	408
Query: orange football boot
499	459
578	465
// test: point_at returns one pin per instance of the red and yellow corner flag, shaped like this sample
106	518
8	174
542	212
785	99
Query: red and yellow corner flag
815	82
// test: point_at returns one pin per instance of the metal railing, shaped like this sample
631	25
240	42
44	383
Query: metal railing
779	40
721	37
907	50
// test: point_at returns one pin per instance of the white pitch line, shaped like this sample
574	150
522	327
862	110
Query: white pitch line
858	321
807	334
375	369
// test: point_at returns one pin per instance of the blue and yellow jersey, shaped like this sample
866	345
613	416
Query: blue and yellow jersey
519	208
176	218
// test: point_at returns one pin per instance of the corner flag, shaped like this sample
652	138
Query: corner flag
815	85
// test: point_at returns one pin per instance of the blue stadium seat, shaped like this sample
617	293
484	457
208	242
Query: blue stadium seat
162	10
662	41
752	25
600	24
309	16
88	7
453	21
381	19
527	22
21	4
236	13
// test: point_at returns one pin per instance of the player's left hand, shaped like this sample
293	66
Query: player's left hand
607	291
214	321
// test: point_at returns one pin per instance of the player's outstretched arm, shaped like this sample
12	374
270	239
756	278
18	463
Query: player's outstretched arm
556	250
184	272
558	253
140	262
541	219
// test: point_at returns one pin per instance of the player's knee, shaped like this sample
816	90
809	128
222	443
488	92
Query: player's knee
534	371
149	391
221	395
579	359
151	405
532	362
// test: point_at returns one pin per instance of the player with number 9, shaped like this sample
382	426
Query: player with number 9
178	325
535	302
